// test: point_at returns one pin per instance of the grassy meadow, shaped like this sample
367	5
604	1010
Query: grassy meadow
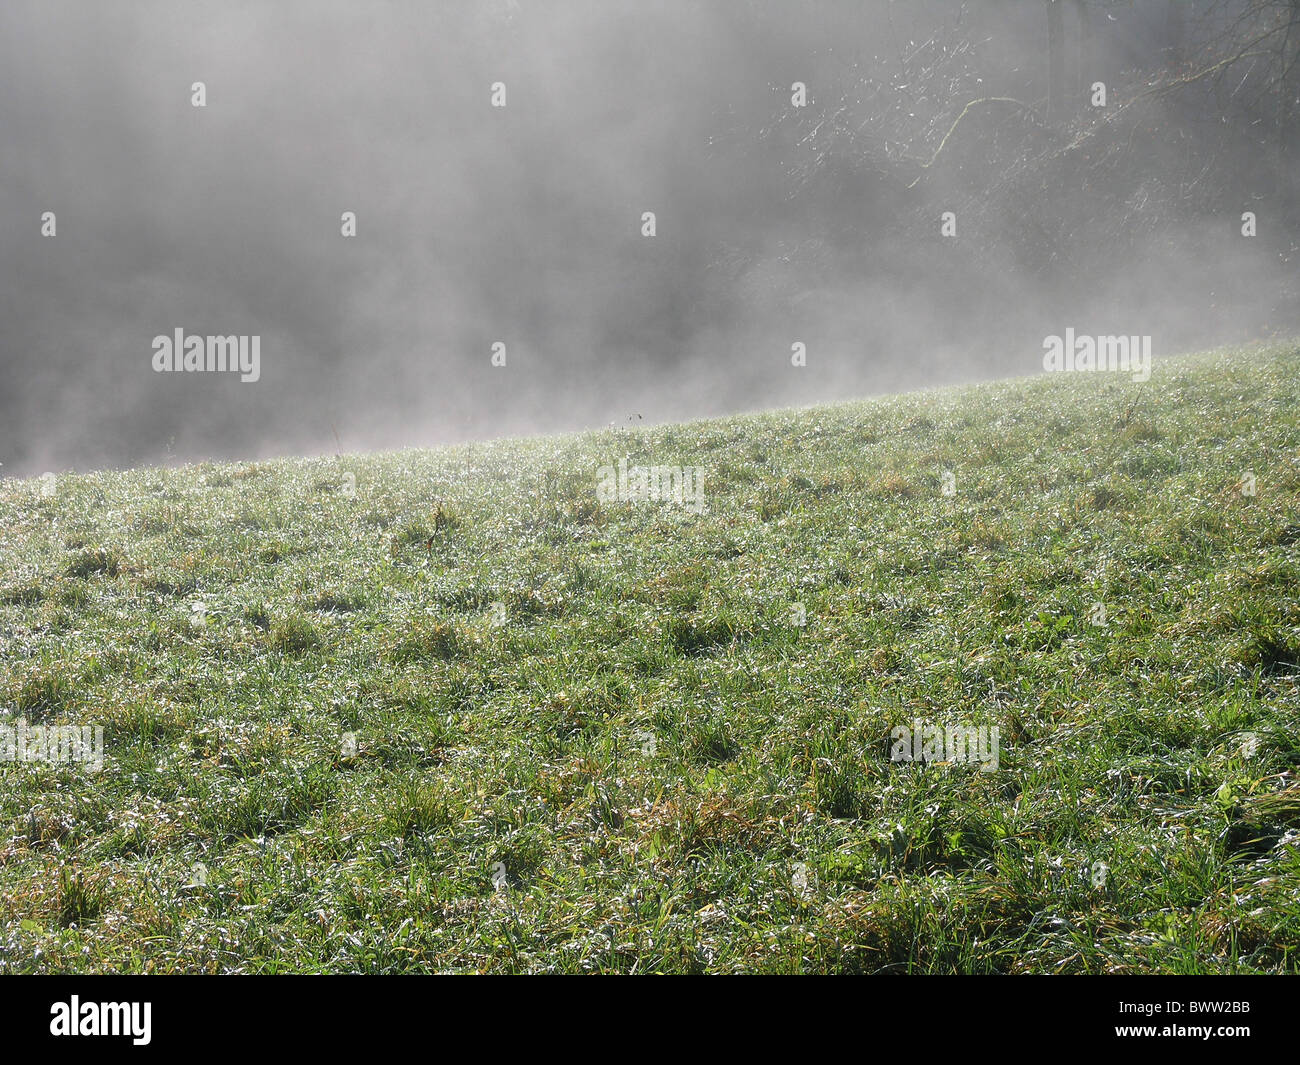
447	711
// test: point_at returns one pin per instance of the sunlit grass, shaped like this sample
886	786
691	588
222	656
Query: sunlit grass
630	738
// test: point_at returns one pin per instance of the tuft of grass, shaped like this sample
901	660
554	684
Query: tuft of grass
293	635
82	897
426	640
92	562
411	808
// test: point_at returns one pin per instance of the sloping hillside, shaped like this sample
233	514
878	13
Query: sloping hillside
469	709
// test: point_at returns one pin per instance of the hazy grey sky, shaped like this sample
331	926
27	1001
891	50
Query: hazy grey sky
519	224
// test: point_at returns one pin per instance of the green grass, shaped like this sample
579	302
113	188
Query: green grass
335	723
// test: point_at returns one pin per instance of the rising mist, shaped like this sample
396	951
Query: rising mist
775	223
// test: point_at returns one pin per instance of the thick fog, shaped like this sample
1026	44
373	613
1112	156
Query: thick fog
522	224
